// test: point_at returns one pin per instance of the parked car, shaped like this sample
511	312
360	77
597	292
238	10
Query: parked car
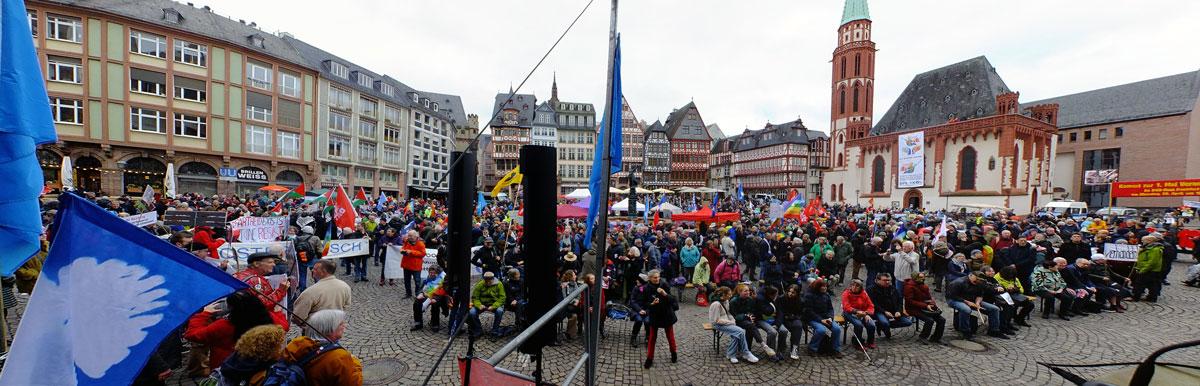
1118	211
1070	208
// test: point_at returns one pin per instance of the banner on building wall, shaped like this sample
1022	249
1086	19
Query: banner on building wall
911	160
1099	177
1161	188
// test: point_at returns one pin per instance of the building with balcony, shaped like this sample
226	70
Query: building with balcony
135	86
575	125
691	146
776	159
656	171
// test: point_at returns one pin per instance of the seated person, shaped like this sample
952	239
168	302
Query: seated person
1079	281
1105	277
889	306
1049	285
433	295
723	322
1007	278
743	307
487	296
860	312
513	294
919	303
1079	273
957	268
818	314
993	293
964	296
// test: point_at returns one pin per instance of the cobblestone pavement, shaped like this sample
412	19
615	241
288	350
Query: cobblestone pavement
380	320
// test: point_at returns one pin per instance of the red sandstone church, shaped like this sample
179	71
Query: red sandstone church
955	137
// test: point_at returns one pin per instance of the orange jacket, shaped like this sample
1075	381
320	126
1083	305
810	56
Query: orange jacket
334	367
414	256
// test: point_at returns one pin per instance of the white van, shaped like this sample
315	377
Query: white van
1070	208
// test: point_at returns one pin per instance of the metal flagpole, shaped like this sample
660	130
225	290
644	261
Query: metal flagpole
593	333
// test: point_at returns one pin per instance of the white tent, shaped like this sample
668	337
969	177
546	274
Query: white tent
663	190
689	190
67	174
615	190
640	190
170	180
667	207
580	193
623	206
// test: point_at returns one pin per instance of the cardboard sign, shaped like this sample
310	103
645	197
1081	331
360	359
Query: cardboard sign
258	229
214	219
144	219
1121	252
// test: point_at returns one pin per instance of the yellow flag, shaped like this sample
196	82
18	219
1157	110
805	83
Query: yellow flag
513	177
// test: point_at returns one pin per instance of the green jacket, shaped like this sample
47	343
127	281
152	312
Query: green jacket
818	251
490	295
1149	259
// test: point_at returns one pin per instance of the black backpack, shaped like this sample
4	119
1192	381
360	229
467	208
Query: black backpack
285	373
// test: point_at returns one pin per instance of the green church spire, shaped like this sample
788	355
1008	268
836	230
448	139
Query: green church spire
855	10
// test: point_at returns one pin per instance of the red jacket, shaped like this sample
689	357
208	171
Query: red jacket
218	335
916	297
725	273
852	302
414	258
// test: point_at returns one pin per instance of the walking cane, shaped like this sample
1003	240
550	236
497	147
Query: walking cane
858	341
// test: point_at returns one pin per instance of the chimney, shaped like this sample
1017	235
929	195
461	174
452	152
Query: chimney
207	8
191	5
253	24
243	21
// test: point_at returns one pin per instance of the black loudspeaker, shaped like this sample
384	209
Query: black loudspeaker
460	205
539	166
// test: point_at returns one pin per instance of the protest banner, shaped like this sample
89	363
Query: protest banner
239	251
215	219
252	229
431	260
391	263
347	248
1161	188
1121	252
144	219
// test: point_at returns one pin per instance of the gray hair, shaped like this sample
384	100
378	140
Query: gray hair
325	322
877	239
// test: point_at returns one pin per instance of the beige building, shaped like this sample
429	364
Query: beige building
1146	130
135	86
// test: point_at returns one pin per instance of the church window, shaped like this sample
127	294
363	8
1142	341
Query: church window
877	175
856	98
842	101
966	169
843	68
857	64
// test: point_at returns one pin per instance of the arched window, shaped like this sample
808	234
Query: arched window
843	68
841	160
841	192
856	98
142	171
867	100
857	64
966	169
842	101
877	175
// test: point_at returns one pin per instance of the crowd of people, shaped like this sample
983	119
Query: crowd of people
766	282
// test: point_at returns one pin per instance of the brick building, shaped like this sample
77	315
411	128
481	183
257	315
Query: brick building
776	159
656	172
1145	130
511	128
633	136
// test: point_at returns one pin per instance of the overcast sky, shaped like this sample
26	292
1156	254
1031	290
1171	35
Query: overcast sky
744	63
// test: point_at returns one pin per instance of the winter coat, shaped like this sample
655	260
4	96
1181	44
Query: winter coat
1150	259
765	310
334	367
689	256
885	299
817	306
852	302
1046	280
488	295
728	273
661	315
702	274
843	252
790	309
218	334
414	256
772	273
742	308
906	264
916	297
956	270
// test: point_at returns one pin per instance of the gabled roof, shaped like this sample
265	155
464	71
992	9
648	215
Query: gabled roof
194	20
1169	95
770	135
964	90
525	104
675	122
714	131
448	105
855	10
658	127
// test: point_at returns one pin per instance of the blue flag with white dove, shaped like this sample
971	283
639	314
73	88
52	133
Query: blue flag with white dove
25	122
108	294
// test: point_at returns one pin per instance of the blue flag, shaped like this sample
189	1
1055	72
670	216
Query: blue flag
479	204
740	195
25	122
714	205
101	308
407	228
694	207
900	232
646	213
610	131
380	202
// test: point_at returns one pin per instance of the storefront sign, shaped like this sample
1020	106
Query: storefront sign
228	174
911	160
1162	188
332	180
1099	177
251	174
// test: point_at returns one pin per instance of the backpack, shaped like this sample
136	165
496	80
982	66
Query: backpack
285	373
304	249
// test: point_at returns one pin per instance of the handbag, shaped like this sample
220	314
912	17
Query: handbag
679	281
702	299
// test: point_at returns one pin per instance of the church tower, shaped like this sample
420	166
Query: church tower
853	85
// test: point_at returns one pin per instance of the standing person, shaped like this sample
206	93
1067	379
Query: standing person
307	251
843	251
487	258
390	237
413	259
818	313
907	261
860	312
325	362
939	260
723	321
919	303
660	308
259	265
329	293
689	257
1148	270
219	334
873	257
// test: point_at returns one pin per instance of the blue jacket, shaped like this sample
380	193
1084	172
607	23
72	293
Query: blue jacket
955	271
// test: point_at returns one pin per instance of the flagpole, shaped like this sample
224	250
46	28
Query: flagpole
593	331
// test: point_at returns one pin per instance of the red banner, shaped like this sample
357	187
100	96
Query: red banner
1161	188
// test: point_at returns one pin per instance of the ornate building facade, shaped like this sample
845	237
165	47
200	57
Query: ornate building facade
691	146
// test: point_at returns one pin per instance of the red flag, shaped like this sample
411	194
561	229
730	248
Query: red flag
792	195
344	215
655	223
